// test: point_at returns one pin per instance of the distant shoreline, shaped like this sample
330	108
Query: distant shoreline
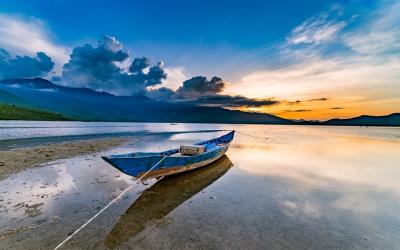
14	112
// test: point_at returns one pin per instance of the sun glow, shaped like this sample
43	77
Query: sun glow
321	109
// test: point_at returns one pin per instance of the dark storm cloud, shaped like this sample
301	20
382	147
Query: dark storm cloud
294	102
92	66
200	91
318	99
191	89
101	68
322	99
155	75
139	64
197	98
297	111
161	94
3	54
233	101
199	86
24	66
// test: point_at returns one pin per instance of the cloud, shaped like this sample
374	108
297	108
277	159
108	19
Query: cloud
191	89
232	101
199	86
200	91
110	43
354	60
24	66
139	64
225	101
161	94
294	102
92	66
316	30
322	99
297	111
380	35
100	68
27	36
337	108
155	75
176	75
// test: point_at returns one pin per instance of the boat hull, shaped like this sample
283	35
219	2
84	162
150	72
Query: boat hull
179	169
156	164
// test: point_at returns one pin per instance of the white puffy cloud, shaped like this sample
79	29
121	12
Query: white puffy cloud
176	76
27	36
99	67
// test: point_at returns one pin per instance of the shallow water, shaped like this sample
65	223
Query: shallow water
33	129
303	187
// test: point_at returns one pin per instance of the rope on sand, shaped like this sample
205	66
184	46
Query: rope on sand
108	205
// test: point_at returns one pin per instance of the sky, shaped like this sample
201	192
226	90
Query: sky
296	59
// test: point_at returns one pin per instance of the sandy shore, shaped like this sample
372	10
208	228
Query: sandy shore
13	161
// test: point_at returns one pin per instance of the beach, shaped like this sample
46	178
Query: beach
297	187
13	161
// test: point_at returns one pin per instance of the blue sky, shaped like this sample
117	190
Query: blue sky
246	24
177	32
344	51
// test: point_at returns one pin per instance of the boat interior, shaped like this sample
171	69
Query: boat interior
209	145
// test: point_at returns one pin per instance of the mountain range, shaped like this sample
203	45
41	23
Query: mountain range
89	105
367	120
85	104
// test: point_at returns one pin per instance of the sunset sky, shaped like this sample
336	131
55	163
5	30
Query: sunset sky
295	59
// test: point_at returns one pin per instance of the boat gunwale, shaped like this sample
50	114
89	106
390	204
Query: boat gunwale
161	154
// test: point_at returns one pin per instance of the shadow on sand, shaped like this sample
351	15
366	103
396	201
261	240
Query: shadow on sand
162	198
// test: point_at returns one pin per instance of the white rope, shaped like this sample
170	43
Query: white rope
109	204
253	136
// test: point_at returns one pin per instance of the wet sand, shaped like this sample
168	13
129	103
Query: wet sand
302	188
13	161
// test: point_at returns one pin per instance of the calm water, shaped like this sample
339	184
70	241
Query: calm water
29	129
303	187
15	134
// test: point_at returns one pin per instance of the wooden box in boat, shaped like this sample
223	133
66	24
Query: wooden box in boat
192	149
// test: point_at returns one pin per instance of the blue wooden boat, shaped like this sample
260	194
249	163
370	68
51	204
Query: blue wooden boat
171	161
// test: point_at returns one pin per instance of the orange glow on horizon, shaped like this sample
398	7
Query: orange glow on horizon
328	109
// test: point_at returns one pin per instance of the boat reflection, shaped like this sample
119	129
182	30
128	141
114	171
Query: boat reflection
163	197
